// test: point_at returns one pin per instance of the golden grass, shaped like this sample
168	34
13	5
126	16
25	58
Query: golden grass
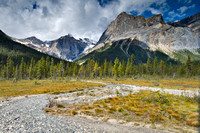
182	84
29	87
144	106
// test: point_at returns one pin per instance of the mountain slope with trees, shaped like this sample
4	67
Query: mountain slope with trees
151	35
123	49
21	62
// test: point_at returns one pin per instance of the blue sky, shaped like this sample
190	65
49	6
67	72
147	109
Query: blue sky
50	19
172	10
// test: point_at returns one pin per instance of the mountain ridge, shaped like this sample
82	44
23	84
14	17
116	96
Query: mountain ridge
65	47
17	51
153	34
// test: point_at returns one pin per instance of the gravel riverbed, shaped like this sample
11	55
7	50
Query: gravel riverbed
25	114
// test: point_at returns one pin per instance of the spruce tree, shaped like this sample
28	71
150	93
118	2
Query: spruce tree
96	69
81	71
115	68
120	70
31	69
22	69
155	65
10	65
52	69
128	68
132	64
3	72
47	67
61	69
105	68
148	66
110	66
188	66
75	71
39	69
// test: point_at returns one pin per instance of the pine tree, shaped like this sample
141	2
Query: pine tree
120	70
61	70
162	67
22	69
181	70
75	71
105	68
148	66
43	67
193	68
96	69
81	71
110	67
140	69
123	67
55	70
132	64
198	68
31	69
128	68
155	65
115	68
188	66
47	67
17	72
3	72
52	69
100	71
9	71
39	69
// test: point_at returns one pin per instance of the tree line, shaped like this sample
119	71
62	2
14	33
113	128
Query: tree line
47	68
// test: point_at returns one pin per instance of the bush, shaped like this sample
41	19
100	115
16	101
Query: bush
73	112
60	105
120	109
157	98
98	110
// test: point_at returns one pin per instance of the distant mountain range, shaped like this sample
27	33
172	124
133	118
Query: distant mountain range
66	47
16	51
144	37
127	34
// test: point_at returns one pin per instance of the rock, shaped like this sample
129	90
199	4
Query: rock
154	32
65	47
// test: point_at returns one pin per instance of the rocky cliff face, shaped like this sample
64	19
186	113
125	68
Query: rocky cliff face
66	47
192	22
154	32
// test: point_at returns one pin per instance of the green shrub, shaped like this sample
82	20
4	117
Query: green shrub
60	105
120	109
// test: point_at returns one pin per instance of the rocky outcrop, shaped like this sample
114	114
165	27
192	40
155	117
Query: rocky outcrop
154	20
66	47
154	32
125	23
187	21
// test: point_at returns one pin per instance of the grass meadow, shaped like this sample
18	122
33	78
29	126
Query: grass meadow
30	87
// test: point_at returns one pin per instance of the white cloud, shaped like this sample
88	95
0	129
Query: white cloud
54	18
184	8
172	15
185	1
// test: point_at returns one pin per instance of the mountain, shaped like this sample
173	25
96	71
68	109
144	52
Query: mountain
65	47
123	49
15	50
192	22
151	35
